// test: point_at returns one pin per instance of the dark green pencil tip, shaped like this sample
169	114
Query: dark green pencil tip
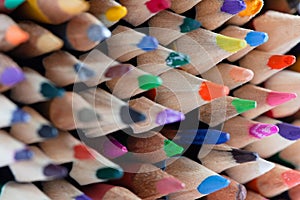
50	91
109	173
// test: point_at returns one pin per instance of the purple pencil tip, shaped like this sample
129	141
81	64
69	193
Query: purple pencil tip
11	76
233	6
289	131
169	116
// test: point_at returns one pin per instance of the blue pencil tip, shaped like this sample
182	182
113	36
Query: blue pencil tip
20	116
255	38
82	197
212	184
211	136
148	43
24	154
98	33
83	72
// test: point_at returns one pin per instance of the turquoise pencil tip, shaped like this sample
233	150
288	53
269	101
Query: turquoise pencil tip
109	173
48	90
255	38
12	4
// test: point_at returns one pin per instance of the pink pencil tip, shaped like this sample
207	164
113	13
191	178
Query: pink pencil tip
169	185
278	98
261	130
113	148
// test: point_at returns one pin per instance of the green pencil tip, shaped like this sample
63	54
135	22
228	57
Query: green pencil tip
12	4
147	82
172	148
243	105
48	90
108	173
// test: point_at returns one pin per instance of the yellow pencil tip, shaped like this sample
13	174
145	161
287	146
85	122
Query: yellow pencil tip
116	13
74	7
230	44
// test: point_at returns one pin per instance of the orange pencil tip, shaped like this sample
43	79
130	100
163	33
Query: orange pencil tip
281	61
81	152
239	74
209	91
15	35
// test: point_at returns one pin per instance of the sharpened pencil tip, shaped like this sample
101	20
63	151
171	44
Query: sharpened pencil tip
109	173
255	38
172	149
117	70
243	105
55	171
155	6
168	116
15	35
189	25
113	148
12	4
148	81
289	131
209	91
82	152
233	6
169	185
82	197
83	71
148	43
261	130
131	116
47	131
212	184
20	116
281	61
278	98
11	76
239	74
116	13
24	154
98	32
291	177
50	91
176	59
242	156
230	44
252	8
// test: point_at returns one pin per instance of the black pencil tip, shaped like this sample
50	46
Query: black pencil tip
130	116
242	156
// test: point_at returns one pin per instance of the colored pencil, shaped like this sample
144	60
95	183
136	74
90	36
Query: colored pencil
65	148
152	147
286	6
82	33
213	13
156	114
285	80
172	93
198	179
196	137
234	191
126	43
104	68
15	191
244	131
266	99
289	156
37	129
180	6
287	135
136	81
39	168
276	181
41	41
253	39
10	73
63	190
12	34
11	114
147	181
206	48
69	112
140	11
224	108
52	12
13	150
248	171
35	88
167	26
227	74
101	191
118	114
64	69
222	157
108	12
294	192
7	6
254	196
107	146
253	7
98	169
265	64
279	40
296	66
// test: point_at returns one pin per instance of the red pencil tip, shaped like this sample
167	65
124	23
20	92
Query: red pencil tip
82	152
209	91
169	185
281	61
291	177
269	114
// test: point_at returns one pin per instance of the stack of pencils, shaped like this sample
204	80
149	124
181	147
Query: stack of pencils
149	99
